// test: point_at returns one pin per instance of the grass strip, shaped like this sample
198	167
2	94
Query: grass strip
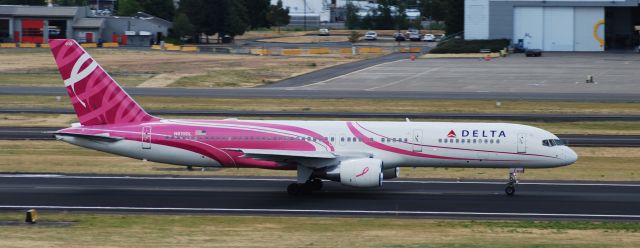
143	230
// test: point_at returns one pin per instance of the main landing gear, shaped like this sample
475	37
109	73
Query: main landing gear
306	182
510	189
306	188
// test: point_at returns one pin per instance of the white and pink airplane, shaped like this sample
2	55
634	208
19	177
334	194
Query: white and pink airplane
354	153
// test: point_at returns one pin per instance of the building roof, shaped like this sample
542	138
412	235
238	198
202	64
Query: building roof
20	10
89	23
154	19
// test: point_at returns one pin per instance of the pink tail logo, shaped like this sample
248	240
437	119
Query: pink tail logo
364	171
77	75
96	98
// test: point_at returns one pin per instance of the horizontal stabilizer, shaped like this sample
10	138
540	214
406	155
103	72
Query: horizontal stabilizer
97	137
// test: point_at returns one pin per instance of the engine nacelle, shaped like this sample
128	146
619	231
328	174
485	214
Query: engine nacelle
362	172
391	173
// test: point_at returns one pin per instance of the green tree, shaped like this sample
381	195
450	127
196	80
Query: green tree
455	16
222	17
353	20
181	26
128	7
160	8
22	2
235	20
383	19
434	9
257	12
278	15
401	21
72	2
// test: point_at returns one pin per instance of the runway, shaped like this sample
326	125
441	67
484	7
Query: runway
359	115
340	94
258	196
576	140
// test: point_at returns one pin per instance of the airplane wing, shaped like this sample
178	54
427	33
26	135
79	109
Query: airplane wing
269	154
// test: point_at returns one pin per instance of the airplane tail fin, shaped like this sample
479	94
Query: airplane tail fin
96	98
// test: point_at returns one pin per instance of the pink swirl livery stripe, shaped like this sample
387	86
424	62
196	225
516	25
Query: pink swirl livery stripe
96	98
305	132
396	150
455	148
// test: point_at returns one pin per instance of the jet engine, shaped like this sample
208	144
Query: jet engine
361	173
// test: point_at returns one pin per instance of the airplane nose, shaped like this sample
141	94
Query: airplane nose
570	156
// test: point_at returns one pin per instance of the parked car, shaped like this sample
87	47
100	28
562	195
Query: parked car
414	37
399	37
323	32
440	37
429	38
371	35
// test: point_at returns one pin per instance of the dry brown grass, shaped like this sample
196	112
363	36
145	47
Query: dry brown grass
111	230
136	66
595	164
348	105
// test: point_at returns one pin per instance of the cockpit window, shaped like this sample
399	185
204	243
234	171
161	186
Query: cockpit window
553	142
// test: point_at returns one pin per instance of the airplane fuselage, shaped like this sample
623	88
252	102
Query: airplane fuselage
397	144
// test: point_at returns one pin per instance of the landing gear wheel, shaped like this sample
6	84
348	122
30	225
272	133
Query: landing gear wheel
510	189
316	184
294	189
513	181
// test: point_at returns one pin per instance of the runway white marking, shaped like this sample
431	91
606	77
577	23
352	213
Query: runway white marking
293	179
404	79
323	211
341	76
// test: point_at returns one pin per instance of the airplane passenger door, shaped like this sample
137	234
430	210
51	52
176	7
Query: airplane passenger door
416	140
522	143
146	137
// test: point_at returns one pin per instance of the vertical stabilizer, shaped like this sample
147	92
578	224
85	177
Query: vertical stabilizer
96	98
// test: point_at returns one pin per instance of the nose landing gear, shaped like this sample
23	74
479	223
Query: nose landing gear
510	189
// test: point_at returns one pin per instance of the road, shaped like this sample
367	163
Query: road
576	140
257	196
336	71
339	94
358	115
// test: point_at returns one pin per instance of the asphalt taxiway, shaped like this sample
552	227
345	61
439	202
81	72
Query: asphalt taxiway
258	196
303	93
358	115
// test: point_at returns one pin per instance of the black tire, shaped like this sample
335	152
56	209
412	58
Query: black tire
316	184
293	189
510	189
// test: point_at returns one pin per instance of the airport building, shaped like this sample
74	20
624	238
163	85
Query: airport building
556	25
38	24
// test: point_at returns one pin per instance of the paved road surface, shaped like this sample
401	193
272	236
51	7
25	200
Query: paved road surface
338	94
257	196
359	115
